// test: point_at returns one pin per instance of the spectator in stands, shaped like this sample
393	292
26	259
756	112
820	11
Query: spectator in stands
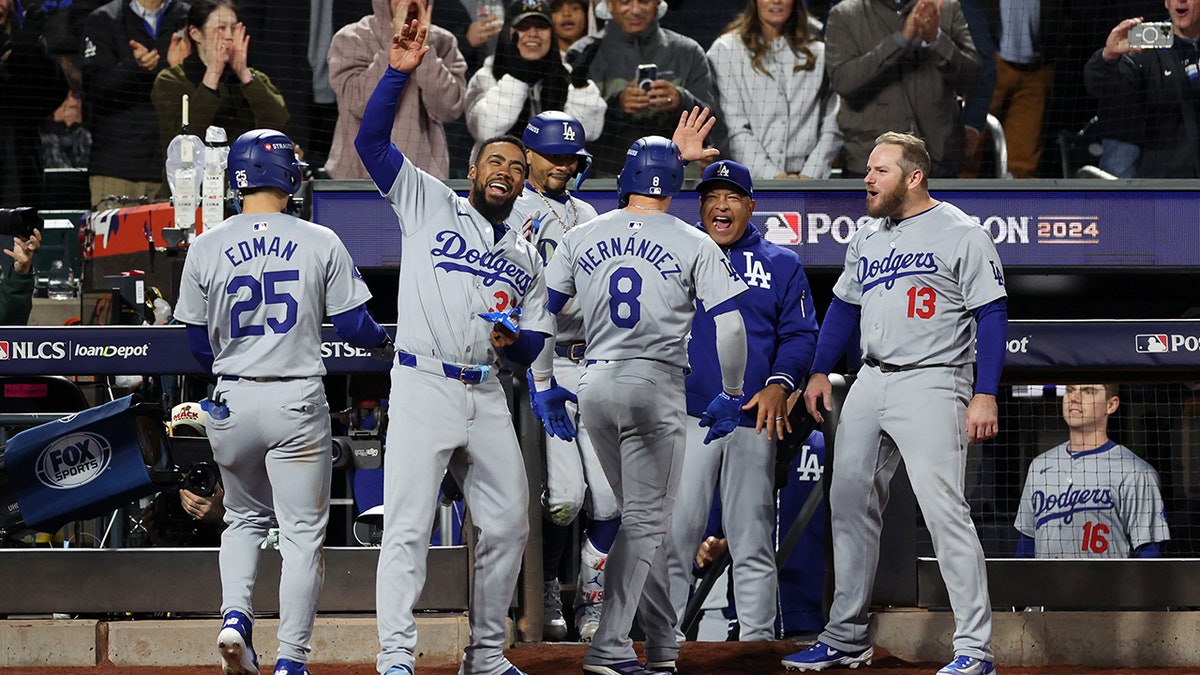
66	143
775	96
570	23
1026	35
16	287
126	43
526	76
476	24
611	58
31	86
1091	497
298	61
222	89
1164	83
358	58
901	66
977	101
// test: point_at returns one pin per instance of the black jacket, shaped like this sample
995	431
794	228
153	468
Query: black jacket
1155	82
118	109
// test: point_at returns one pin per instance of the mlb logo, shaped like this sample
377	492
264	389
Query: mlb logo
1152	344
258	227
635	224
4	350
781	228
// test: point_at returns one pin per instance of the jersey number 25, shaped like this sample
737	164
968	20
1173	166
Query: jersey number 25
260	292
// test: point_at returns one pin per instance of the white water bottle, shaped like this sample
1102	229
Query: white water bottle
216	152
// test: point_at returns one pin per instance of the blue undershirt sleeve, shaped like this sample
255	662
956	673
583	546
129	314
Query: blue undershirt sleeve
197	337
1025	547
358	328
840	321
990	338
1151	550
557	300
374	141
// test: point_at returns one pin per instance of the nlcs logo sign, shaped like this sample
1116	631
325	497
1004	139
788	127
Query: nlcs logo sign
73	460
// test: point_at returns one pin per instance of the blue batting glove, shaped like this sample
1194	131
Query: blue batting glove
510	319
721	416
553	406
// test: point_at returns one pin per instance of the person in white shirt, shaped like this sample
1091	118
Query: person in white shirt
779	109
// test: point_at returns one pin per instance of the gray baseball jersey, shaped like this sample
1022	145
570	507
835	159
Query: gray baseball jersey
263	284
544	220
1100	503
451	269
636	278
916	290
916	282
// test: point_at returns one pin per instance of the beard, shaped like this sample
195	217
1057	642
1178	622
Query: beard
494	213
889	202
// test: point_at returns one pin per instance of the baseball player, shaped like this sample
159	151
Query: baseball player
254	292
918	281
781	331
636	274
461	259
1090	497
555	148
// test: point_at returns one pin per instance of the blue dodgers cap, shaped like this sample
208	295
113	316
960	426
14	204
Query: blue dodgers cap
726	171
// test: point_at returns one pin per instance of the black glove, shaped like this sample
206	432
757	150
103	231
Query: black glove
385	352
581	63
33	27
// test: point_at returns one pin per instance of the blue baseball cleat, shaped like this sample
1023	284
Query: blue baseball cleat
290	667
821	656
234	643
619	668
399	670
967	665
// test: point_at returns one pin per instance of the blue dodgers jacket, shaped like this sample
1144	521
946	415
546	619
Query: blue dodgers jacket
781	325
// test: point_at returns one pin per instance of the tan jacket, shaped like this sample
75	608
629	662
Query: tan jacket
358	57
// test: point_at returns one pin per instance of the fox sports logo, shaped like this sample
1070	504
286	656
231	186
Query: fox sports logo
73	460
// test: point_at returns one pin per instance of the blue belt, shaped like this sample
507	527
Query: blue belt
259	379
571	350
467	374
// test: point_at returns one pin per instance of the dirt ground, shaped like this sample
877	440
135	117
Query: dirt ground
698	658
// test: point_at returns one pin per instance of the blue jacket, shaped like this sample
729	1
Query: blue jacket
781	325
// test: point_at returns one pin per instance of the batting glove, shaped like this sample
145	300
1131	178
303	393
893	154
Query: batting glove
385	352
721	416
550	406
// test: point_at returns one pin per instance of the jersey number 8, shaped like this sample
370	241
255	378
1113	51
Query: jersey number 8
624	308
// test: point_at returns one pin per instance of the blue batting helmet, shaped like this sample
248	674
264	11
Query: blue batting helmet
557	133
653	166
264	158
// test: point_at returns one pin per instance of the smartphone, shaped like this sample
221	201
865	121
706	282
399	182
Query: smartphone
647	73
1152	36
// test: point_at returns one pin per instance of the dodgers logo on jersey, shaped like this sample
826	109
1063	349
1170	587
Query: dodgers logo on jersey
894	266
1064	505
996	273
487	265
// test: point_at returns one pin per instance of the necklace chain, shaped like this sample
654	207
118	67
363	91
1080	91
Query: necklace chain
570	204
648	208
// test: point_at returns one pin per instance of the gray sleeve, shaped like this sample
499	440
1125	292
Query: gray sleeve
848	288
714	277
420	199
344	286
980	272
731	349
1141	502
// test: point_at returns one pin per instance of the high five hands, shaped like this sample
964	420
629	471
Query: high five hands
409	45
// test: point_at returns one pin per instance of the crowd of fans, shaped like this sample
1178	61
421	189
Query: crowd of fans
801	88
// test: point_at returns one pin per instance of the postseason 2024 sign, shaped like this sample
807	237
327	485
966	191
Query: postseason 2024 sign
1050	229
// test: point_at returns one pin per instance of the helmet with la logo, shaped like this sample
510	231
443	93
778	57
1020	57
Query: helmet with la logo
556	133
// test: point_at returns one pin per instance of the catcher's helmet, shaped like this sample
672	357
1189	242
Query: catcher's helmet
653	166
557	133
264	158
